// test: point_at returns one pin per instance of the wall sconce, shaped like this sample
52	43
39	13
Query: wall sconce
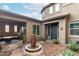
61	28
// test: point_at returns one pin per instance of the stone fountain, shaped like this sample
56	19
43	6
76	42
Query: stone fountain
33	48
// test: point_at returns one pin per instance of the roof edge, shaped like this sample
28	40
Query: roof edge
19	15
46	7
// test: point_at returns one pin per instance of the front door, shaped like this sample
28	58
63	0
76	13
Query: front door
54	31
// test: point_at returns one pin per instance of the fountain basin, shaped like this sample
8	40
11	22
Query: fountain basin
29	49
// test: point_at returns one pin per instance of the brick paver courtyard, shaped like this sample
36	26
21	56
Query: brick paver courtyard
49	49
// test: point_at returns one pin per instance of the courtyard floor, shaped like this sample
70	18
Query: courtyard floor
48	49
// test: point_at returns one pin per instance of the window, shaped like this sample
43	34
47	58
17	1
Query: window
34	29
15	28
6	28
50	9
37	29
54	8
74	28
57	7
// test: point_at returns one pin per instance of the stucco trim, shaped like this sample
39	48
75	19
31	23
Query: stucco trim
57	17
51	22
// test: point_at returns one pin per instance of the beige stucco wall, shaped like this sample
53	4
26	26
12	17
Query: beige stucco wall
62	31
43	30
73	9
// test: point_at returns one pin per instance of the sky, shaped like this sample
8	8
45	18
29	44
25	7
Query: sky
27	9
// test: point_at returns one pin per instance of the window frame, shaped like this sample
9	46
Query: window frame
70	35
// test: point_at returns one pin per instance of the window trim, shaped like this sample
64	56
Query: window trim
73	28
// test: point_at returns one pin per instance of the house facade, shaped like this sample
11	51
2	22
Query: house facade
61	22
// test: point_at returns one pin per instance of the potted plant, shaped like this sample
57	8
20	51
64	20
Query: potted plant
55	41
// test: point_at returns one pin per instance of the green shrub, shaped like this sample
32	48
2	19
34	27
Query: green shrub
73	46
55	41
43	39
24	40
68	53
